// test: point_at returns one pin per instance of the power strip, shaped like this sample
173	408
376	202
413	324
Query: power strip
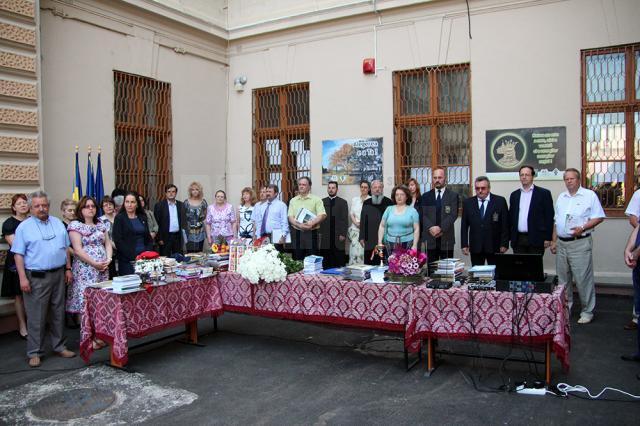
530	391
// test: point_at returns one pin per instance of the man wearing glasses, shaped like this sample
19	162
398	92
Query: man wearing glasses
43	264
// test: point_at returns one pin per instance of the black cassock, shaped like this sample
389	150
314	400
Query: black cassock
370	219
336	223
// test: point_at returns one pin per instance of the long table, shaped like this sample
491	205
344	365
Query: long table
418	312
531	319
115	318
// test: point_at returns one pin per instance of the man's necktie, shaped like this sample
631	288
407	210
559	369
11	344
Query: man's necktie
265	215
482	209
438	207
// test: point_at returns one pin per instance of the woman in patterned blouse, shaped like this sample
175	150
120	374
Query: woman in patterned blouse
221	219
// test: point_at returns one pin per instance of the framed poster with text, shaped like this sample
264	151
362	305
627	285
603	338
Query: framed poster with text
348	161
543	148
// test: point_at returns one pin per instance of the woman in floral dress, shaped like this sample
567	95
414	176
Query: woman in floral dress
221	219
92	254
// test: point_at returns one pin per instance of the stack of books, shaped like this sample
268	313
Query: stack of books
219	261
126	284
358	272
188	271
312	265
481	277
447	270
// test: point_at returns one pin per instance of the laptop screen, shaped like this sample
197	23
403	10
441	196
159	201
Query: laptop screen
519	267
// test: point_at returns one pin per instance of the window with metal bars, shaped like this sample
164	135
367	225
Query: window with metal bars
281	142
142	114
611	123
432	124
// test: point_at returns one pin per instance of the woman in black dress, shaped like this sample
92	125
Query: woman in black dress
10	281
130	233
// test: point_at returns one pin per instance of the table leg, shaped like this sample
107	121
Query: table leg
192	331
431	367
114	362
547	363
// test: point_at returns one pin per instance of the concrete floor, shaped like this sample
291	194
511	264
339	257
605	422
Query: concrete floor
264	371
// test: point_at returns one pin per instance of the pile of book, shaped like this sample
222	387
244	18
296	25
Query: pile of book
126	284
312	265
188	271
219	261
446	270
358	272
481	277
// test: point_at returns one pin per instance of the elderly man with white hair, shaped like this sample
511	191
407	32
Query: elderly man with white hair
370	218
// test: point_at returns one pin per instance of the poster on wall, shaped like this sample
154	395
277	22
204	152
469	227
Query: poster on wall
543	148
348	161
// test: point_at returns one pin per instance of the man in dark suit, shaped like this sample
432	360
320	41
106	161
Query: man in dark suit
169	214
485	224
530	215
370	218
333	231
438	211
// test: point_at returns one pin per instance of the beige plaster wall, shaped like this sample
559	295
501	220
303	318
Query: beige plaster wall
79	54
525	66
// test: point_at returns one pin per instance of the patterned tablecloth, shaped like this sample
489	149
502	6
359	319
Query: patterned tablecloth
115	318
236	292
493	316
322	298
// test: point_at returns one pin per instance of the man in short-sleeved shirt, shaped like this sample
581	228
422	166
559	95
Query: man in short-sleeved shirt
578	212
304	231
43	264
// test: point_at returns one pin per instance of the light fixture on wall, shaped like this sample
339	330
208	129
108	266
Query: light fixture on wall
239	83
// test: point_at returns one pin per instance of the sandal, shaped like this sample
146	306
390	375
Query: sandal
98	344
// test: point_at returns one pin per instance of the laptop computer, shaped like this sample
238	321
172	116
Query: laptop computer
519	267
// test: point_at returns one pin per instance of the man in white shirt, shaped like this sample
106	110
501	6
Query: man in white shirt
270	218
578	212
633	212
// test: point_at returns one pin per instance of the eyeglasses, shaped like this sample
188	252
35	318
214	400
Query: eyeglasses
49	233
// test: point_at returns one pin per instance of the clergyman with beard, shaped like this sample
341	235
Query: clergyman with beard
372	211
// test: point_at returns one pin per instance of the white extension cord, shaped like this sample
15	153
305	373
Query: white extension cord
565	388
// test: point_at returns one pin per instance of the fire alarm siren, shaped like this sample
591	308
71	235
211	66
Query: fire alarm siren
369	66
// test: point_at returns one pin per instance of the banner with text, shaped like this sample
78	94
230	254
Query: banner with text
543	148
348	161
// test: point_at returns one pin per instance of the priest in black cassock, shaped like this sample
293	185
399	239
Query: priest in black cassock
370	218
333	231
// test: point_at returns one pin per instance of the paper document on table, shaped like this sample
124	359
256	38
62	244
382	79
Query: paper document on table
277	234
572	221
305	215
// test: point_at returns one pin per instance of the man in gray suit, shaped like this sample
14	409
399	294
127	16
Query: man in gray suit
438	211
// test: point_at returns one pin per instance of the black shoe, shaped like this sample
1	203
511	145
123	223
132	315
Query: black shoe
23	336
634	357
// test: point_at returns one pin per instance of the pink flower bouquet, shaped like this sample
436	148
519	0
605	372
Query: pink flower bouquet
406	263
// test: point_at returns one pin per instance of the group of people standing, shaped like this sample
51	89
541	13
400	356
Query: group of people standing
40	261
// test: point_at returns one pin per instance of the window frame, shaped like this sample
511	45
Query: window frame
130	121
433	119
628	106
284	132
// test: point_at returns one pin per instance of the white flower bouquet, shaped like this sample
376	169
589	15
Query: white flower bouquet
149	267
262	264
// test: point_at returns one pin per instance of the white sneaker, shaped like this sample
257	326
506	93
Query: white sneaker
585	320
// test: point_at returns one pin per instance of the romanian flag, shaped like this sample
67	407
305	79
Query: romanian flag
99	186
90	179
76	193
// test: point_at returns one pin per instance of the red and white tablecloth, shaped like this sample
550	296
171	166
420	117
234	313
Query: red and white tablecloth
236	292
327	299
115	318
493	316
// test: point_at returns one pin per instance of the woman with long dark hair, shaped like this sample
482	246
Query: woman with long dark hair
130	233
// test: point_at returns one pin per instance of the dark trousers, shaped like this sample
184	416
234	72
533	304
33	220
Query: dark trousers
305	243
194	247
480	258
171	244
437	254
522	246
636	298
333	257
125	267
45	303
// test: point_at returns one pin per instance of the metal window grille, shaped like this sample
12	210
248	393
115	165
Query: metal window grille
281	142
610	123
432	123
143	153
